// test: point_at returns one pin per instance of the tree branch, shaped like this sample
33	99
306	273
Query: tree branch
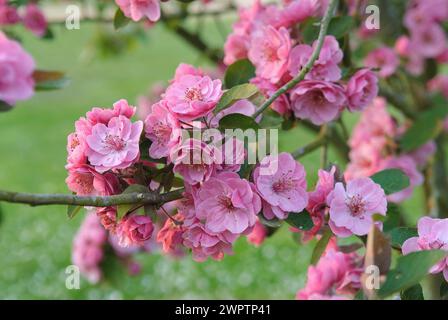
309	65
320	141
90	201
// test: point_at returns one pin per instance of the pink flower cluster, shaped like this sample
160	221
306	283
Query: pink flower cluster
432	234
33	19
373	148
16	71
427	39
137	9
337	276
265	35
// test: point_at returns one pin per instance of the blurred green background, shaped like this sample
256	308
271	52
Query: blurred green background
35	243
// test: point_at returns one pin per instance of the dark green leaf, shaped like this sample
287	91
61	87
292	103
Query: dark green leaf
273	223
242	91
49	80
271	121
399	235
391	180
120	20
393	217
427	126
73	210
321	246
340	26
310	30
301	220
444	290
410	270
413	293
238	121
4	106
239	72
49	35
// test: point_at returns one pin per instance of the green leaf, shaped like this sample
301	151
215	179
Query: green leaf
120	20
238	121
413	293
391	180
321	246
427	126
239	72
242	91
4	106
410	270
72	211
340	26
273	223
310	30
444	290
49	80
301	220
399	235
123	209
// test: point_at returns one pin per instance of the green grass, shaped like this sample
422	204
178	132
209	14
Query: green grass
35	243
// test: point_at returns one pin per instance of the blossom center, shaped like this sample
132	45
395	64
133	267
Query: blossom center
226	202
283	184
356	205
115	142
193	94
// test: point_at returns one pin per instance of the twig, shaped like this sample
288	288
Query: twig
320	141
309	65
90	201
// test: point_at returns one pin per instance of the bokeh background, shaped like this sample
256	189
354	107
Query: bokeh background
35	243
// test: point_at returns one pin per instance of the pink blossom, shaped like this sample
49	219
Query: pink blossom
283	190
137	9
236	48
16	71
192	96
205	243
269	52
84	181
163	129
317	101
34	20
409	167
402	46
432	234
108	218
326	66
337	276
184	69
365	159
258	234
317	199
361	89
428	40
8	15
170	236
351	208
298	11
87	251
227	203
100	115
439	84
383	58
134	230
76	148
115	146
195	160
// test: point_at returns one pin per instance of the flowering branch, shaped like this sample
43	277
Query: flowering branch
307	68
90	201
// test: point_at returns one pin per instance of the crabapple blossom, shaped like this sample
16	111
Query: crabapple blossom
352	207
283	190
137	9
115	145
337	276
134	230
258	234
163	129
432	234
281	104
205	243
84	180
383	58
317	101
269	52
16	71
8	14
227	203
361	89
192	96
195	160
34	20
171	235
